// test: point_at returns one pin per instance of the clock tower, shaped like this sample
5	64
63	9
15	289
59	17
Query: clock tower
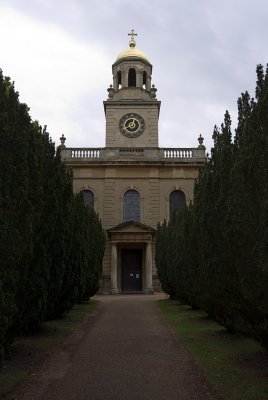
132	110
132	183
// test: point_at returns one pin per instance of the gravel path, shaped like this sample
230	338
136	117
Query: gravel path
126	351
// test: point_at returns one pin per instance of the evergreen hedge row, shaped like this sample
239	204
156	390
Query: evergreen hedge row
51	244
214	253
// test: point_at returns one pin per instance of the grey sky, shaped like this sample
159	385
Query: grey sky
204	54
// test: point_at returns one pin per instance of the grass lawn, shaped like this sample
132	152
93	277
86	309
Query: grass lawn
27	353
235	366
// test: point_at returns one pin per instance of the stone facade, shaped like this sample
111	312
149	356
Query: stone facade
132	162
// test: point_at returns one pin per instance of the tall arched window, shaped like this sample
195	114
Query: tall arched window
132	77
144	79
176	201
119	79
132	205
88	198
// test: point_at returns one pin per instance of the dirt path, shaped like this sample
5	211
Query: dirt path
126	351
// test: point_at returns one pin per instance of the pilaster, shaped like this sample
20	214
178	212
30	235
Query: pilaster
149	269
114	288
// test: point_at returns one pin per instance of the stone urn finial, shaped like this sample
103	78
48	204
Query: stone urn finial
153	91
62	140
110	91
201	140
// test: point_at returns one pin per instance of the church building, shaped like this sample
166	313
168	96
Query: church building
132	183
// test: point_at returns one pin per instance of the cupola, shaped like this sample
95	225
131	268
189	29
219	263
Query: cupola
132	74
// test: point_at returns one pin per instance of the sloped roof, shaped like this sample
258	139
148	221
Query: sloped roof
131	226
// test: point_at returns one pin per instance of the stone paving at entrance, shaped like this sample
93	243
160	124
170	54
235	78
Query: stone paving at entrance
126	351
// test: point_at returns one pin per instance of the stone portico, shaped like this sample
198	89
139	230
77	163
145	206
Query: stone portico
131	235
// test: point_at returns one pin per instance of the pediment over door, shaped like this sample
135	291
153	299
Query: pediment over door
131	231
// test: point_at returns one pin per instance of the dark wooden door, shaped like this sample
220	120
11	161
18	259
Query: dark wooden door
131	267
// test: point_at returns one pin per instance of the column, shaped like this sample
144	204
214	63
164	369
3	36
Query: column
124	77
114	289
115	82
149	269
139	78
148	83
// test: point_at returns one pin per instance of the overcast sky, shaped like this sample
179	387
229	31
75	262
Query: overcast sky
204	54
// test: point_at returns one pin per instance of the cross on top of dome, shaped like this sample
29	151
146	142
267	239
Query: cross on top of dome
132	42
132	34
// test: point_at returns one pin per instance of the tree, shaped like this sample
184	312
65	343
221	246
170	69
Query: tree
44	268
225	232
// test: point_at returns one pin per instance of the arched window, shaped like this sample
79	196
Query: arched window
88	198
144	79
131	205
132	77
176	201
119	79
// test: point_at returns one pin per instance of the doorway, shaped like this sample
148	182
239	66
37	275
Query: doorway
131	268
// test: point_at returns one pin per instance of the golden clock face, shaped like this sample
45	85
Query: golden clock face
131	125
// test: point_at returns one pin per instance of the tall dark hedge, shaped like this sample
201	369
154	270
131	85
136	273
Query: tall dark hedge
214	254
51	244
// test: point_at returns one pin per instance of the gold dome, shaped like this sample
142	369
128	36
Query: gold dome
132	52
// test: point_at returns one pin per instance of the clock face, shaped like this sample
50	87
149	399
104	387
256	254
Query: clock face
132	125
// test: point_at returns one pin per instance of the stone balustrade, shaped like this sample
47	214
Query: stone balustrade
85	153
132	153
178	153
